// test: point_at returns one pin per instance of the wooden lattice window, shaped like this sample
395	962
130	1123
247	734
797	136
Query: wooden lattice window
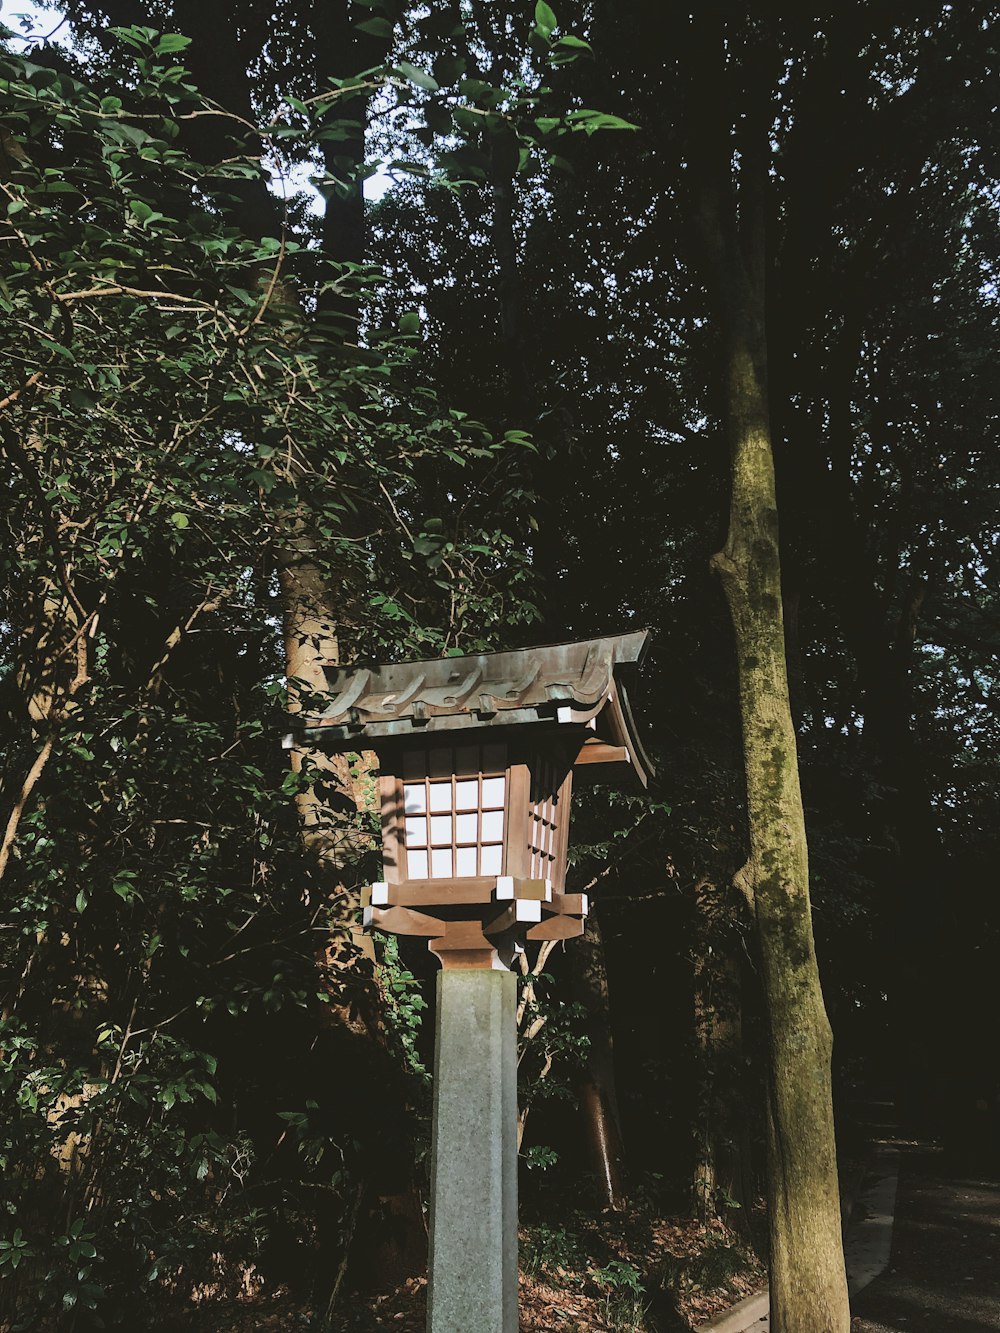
454	808
543	821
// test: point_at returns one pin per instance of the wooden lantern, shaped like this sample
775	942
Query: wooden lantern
476	757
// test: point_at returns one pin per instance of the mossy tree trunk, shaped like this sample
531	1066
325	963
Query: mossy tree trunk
808	1287
807	1279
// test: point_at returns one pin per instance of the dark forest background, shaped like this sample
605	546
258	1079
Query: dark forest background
247	418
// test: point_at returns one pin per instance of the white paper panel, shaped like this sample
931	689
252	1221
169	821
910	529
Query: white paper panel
416	865
466	828
465	861
440	795
441	863
416	832
493	791
414	798
492	860
493	826
467	795
441	829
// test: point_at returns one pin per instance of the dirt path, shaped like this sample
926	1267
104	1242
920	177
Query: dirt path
944	1273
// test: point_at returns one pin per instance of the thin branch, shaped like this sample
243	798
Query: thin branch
270	289
398	516
342	1269
27	787
15	394
119	289
205	607
15	452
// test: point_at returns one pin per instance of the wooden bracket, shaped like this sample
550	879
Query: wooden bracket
482	936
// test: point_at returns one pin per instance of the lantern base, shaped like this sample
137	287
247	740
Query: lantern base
473	1235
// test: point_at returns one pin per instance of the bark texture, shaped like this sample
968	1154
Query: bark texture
596	1087
808	1286
807	1280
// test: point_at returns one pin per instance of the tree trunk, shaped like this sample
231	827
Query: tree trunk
311	607
808	1285
807	1280
596	1088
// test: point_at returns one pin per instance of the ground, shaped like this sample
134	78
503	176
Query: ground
640	1273
675	1272
616	1273
944	1272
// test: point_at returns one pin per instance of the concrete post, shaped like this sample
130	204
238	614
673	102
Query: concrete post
473	1234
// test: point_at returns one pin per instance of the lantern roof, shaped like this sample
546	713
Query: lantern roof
579	684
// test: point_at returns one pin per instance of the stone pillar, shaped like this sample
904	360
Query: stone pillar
473	1236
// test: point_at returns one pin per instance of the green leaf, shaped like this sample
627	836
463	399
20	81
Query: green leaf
81	901
121	133
376	26
179	520
591	121
138	37
125	890
418	76
545	20
171	41
410	322
448	68
241	294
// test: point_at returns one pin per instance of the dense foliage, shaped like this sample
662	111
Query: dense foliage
172	406
488	407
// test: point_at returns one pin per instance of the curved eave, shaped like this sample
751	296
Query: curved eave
620	714
363	732
577	683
